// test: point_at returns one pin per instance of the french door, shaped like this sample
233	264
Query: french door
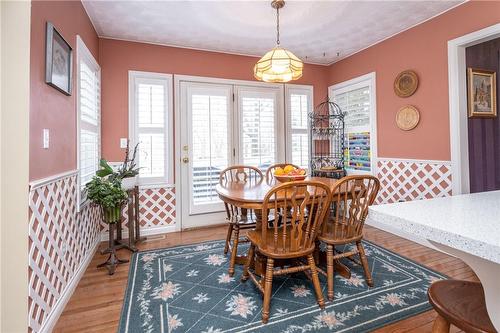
223	125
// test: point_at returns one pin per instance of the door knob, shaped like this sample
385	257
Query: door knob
185	159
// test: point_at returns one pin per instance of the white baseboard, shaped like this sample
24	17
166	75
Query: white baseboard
60	304
144	232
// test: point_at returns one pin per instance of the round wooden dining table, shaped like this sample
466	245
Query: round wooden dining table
249	195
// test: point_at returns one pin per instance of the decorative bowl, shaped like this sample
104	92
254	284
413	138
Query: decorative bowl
289	178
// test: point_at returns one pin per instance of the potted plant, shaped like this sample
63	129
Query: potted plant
107	193
126	173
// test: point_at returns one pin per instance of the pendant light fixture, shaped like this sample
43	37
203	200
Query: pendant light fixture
279	64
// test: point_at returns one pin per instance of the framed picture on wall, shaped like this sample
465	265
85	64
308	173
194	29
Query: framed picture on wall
482	92
58	61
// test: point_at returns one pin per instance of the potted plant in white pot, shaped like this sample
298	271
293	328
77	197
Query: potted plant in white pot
127	173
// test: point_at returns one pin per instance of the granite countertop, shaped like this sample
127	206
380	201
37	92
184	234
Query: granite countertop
468	222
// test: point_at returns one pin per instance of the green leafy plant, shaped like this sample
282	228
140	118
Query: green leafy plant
126	170
108	194
105	192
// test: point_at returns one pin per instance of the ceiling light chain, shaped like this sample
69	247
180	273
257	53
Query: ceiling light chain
277	25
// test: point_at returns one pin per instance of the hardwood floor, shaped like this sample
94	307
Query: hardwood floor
96	303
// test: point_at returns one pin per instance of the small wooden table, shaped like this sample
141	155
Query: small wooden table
250	195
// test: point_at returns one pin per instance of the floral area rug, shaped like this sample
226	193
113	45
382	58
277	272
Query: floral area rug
187	289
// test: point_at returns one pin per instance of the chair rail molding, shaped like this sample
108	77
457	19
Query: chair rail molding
458	104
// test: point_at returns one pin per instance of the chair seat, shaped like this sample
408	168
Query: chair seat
341	235
255	237
462	304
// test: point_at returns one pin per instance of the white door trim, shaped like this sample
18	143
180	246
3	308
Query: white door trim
457	77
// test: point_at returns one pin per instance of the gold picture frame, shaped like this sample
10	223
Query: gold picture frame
481	93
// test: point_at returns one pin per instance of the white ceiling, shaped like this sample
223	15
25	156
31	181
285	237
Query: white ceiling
314	30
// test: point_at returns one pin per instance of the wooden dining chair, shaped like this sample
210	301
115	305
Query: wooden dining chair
272	168
237	218
351	197
293	240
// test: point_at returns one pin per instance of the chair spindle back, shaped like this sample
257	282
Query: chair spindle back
305	203
351	197
239	174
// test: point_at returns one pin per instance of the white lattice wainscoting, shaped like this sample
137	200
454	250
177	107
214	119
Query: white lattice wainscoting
156	211
406	180
61	244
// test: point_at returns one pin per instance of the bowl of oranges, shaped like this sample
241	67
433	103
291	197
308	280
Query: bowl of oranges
289	174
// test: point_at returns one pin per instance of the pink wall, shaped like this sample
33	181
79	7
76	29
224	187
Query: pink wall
50	108
118	57
423	49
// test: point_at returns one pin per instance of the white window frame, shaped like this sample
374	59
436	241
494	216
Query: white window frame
291	89
167	79
84	54
355	83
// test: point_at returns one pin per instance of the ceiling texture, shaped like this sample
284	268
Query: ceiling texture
320	32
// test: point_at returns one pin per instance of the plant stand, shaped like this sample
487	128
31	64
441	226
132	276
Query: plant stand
113	260
134	232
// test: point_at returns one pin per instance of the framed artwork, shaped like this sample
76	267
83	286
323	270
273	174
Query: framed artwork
58	61
482	93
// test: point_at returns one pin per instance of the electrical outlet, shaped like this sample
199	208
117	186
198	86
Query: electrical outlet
46	138
123	142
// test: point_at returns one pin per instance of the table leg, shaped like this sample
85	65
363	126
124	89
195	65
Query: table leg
112	260
131	222
136	216
260	261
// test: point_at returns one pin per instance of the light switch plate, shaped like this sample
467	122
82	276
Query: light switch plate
46	138
123	142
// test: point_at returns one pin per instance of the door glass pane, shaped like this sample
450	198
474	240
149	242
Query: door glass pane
300	149
258	131
298	109
210	145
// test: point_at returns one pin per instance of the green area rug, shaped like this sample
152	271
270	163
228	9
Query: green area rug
187	289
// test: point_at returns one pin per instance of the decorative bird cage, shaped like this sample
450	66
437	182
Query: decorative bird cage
326	124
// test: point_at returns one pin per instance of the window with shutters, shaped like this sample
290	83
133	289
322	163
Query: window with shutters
356	98
261	135
149	125
298	101
89	116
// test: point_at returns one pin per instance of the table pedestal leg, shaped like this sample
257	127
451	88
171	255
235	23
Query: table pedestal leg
112	260
260	261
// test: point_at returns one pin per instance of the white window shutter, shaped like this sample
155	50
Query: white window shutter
89	116
151	100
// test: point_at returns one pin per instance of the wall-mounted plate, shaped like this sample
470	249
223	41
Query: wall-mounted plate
407	118
406	83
